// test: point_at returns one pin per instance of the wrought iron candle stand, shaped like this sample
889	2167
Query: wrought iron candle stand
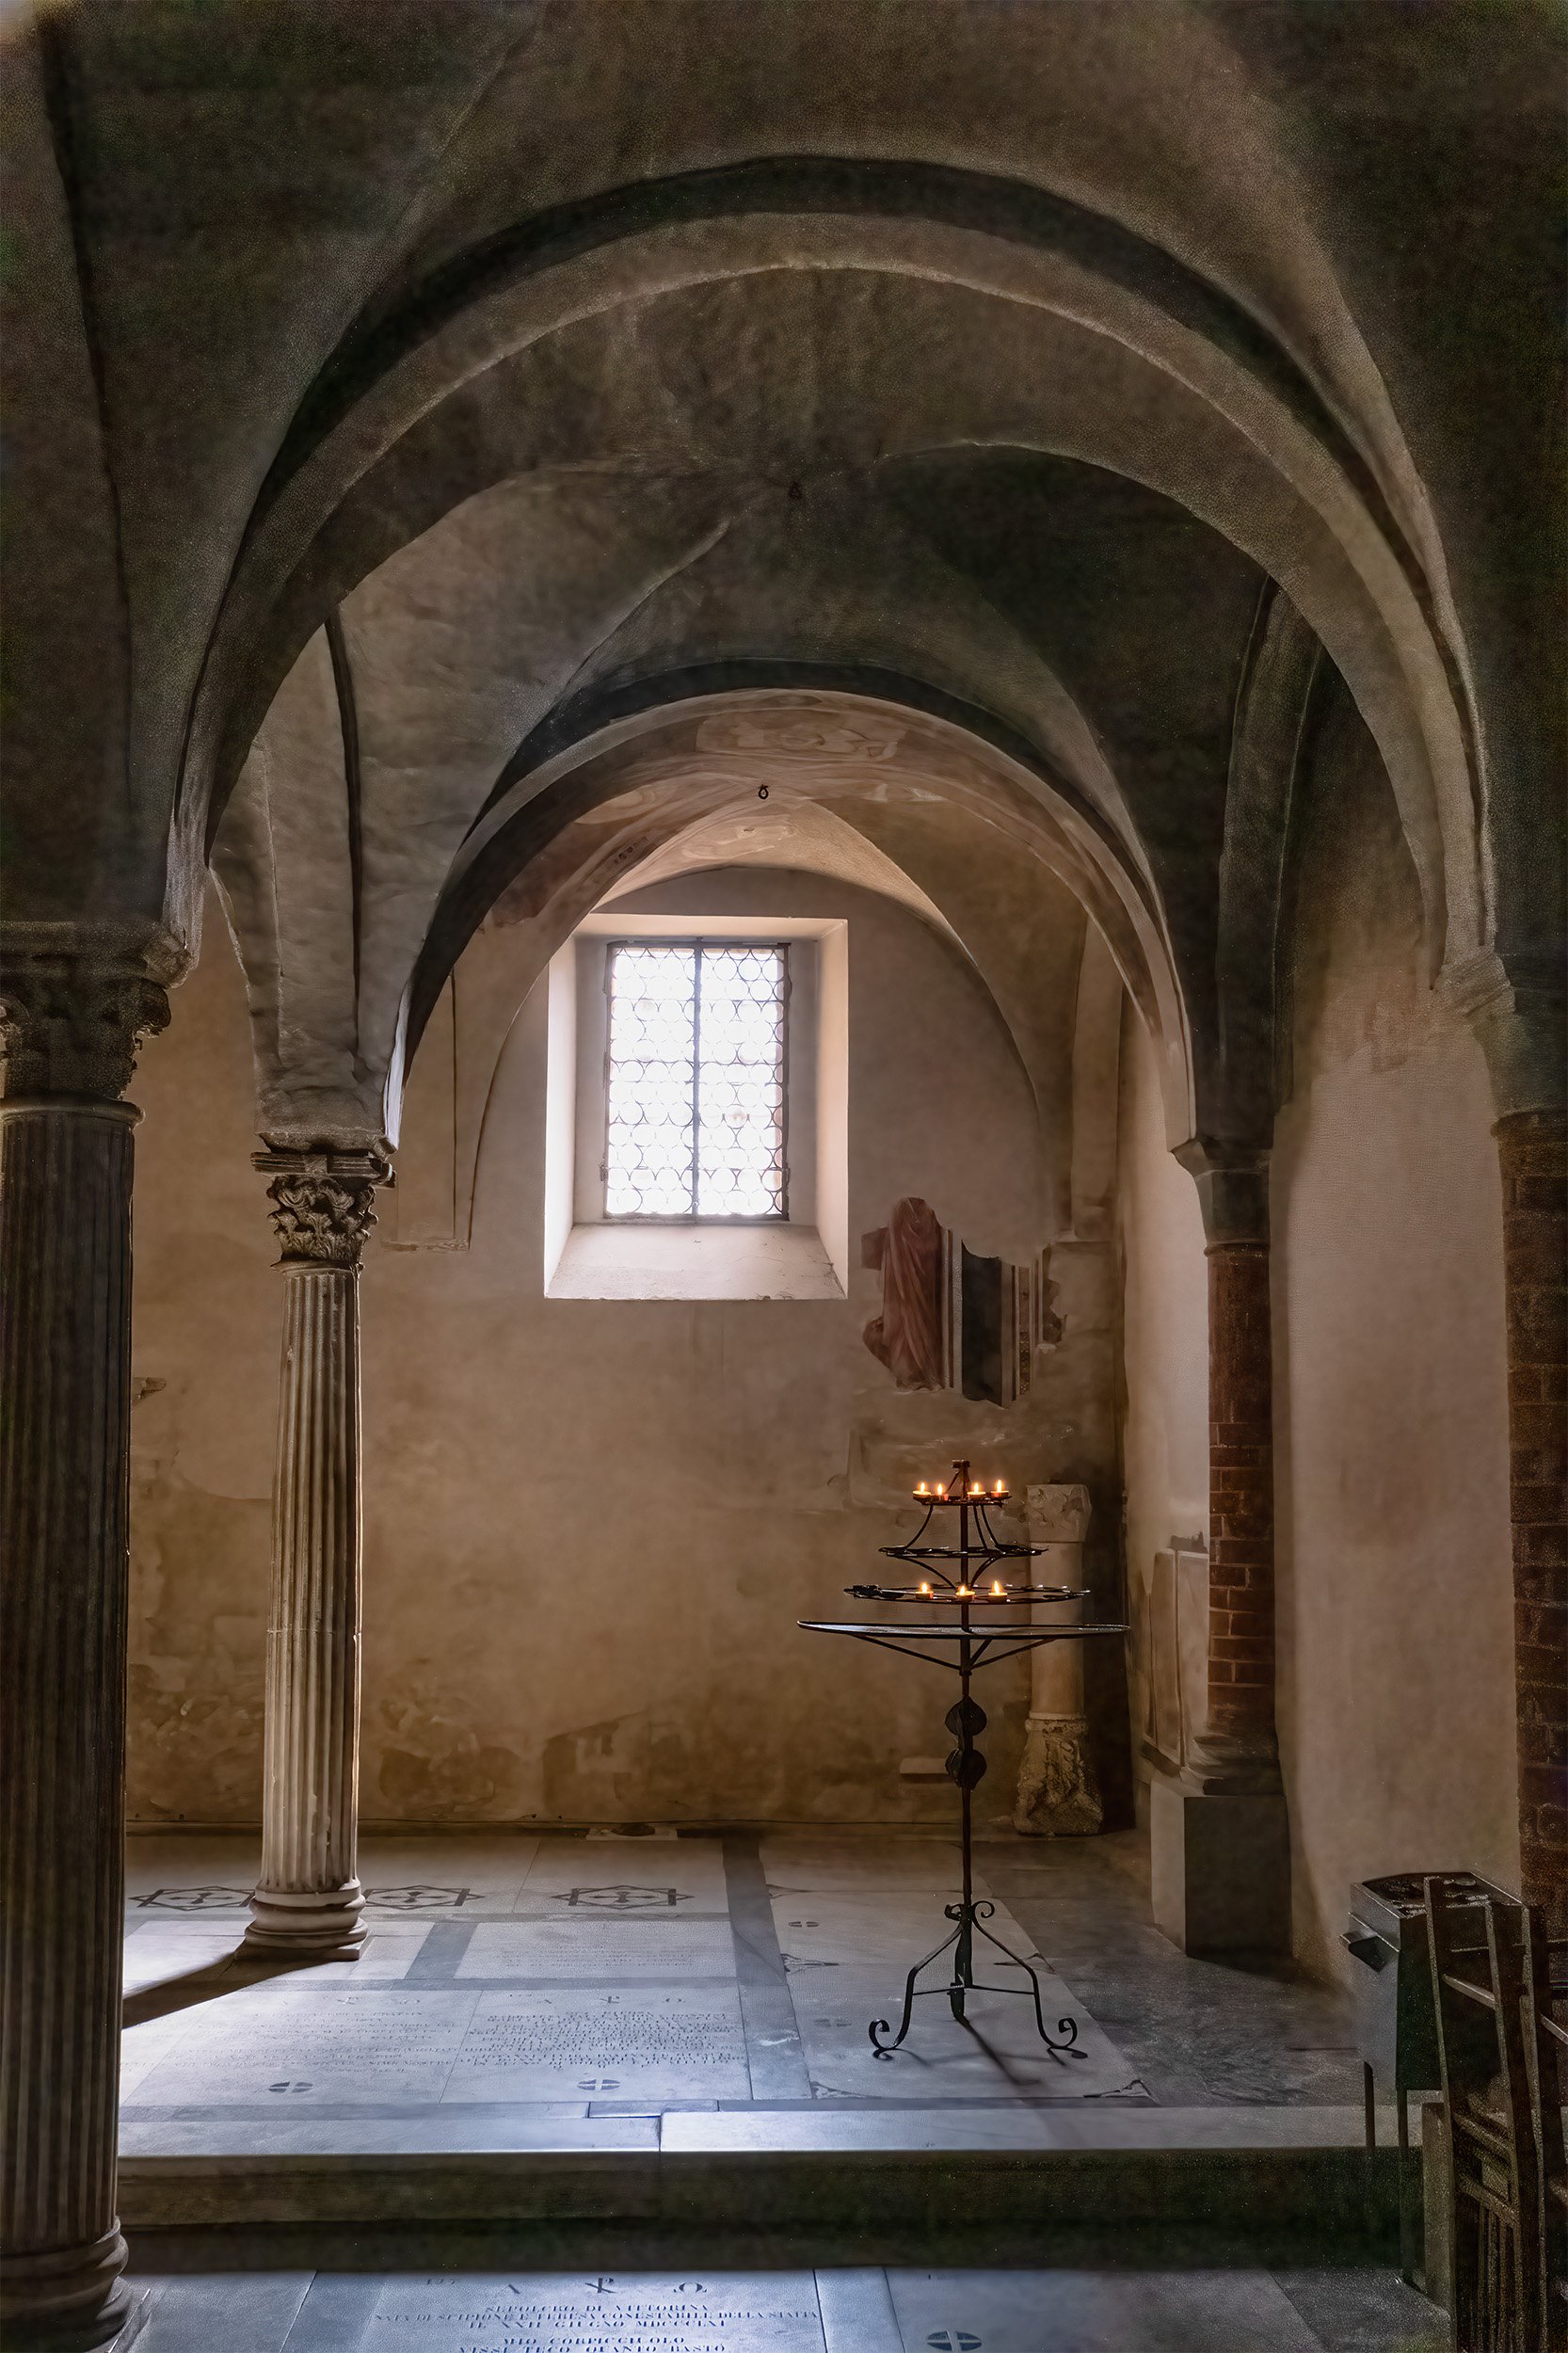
963	1576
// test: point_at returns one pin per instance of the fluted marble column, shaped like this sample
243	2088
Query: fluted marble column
1058	1789
70	1021
309	1900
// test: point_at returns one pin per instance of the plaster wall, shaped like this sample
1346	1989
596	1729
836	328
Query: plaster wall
590	1524
1394	1638
1394	1628
206	1320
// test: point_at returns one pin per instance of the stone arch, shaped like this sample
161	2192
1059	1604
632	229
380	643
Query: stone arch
1270	747
1250	448
569	823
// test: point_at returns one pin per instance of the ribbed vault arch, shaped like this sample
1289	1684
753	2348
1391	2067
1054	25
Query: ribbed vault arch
1190	396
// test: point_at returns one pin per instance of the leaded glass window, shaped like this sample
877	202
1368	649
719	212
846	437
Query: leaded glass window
695	1081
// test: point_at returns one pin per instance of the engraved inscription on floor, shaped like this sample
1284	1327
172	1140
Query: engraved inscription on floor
603	2313
683	2044
869	2311
578	1976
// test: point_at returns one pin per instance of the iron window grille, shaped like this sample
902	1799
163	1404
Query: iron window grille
695	1082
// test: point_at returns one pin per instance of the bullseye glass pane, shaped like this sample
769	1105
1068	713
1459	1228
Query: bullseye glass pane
740	1162
649	1138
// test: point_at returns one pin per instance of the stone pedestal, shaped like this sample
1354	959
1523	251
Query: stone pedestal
71	1022
1058	1792
308	1902
1220	1869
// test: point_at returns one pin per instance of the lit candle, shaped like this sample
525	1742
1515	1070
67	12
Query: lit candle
976	1489
966	1593
925	1587
995	1588
1001	1488
941	1495
922	1489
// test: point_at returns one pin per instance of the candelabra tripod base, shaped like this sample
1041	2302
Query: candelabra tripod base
975	1639
969	1918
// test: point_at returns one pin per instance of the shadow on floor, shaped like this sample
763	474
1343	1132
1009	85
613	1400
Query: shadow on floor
204	1983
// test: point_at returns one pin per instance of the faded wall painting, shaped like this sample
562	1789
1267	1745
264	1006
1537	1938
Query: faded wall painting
952	1318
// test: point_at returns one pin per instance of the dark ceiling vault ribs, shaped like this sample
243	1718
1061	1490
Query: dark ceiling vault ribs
803	186
1270	751
343	680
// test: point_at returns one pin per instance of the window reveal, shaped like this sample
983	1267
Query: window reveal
695	1082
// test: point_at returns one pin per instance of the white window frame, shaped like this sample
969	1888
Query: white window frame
802	1254
790	1050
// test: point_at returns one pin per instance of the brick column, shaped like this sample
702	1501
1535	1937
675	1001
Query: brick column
1238	1746
1240	1726
1532	1147
1513	1001
1220	1845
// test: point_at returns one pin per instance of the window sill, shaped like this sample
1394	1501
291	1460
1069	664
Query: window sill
653	1262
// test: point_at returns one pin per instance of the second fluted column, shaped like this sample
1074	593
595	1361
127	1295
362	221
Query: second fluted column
309	1901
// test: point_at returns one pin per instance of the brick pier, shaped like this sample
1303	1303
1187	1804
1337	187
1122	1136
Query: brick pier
1533	1150
1241	1504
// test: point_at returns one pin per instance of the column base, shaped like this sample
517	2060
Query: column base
1220	1868
311	1924
1058	1794
67	2300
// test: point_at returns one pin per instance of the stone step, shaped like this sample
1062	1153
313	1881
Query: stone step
1239	2167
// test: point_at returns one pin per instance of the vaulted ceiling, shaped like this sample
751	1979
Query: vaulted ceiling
456	445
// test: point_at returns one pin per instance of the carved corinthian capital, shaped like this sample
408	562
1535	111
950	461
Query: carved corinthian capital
323	1202
74	1007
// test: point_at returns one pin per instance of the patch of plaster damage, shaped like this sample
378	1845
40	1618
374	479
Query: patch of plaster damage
427	1762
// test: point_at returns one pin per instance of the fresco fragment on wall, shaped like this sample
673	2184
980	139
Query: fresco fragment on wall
952	1318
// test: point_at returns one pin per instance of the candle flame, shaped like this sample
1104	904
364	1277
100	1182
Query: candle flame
995	1586
1001	1488
922	1488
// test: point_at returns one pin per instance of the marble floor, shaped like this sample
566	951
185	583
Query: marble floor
1198	2033
527	1990
690	1997
847	2311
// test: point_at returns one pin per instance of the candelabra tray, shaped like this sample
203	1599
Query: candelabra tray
982	1640
959	1552
951	1593
955	1633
